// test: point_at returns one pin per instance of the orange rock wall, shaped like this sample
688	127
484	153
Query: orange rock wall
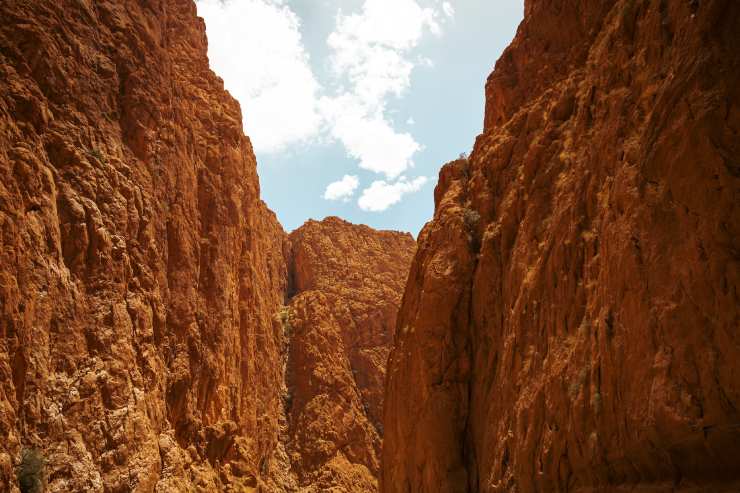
144	341
139	270
571	317
348	281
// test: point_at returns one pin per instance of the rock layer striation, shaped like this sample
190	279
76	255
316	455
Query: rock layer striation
571	317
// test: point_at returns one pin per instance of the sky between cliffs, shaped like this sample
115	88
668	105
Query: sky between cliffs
354	105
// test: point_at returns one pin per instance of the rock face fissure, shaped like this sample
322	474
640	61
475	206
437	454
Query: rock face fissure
144	342
571	318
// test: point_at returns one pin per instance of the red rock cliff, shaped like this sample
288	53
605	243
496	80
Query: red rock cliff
571	317
144	341
348	281
139	271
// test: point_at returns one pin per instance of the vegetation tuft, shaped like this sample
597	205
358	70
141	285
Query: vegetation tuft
96	154
30	473
284	316
471	218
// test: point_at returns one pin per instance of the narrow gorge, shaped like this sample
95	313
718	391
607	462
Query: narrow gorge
567	321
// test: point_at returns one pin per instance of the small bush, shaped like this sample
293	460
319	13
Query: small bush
471	218
284	315
30	472
596	402
576	385
463	165
96	154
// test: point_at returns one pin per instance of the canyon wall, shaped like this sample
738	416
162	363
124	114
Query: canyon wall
144	341
140	272
571	317
347	282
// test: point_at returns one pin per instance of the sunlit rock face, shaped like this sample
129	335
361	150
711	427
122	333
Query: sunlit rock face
139	271
143	283
347	283
570	321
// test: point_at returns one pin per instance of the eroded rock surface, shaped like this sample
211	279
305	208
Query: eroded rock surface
145	341
139	270
571	317
347	282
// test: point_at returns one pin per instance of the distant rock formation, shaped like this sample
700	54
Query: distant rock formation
347	282
571	317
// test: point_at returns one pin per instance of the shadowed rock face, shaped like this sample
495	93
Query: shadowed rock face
571	317
348	281
142	345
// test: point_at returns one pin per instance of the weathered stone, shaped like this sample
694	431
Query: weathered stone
139	270
348	281
571	317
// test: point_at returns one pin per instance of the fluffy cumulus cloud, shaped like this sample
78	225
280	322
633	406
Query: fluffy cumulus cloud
256	47
369	138
448	9
372	58
380	195
372	47
342	189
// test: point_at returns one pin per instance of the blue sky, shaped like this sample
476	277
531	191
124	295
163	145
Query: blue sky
354	105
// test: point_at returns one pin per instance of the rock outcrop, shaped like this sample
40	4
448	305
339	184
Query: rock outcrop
139	271
571	317
347	282
143	341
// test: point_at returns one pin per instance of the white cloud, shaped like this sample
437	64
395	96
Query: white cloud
370	138
342	189
448	9
380	195
371	47
372	60
410	121
256	47
425	62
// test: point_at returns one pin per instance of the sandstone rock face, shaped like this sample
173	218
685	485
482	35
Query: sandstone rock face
139	270
571	317
145	345
347	284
